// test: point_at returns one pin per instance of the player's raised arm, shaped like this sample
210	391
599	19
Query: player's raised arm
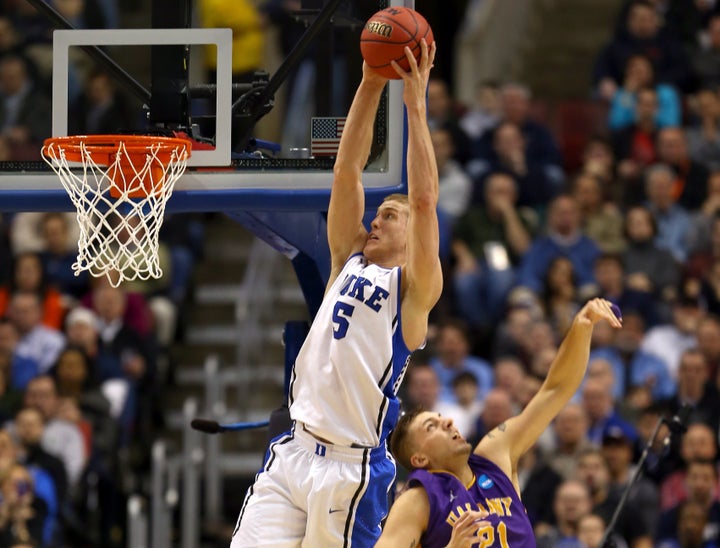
422	277
346	233
508	442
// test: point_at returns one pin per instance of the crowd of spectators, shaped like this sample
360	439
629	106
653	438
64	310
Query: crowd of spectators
525	241
81	362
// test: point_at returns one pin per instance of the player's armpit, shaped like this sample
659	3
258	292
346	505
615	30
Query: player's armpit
407	520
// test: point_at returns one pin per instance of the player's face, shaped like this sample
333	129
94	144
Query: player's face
387	238
437	441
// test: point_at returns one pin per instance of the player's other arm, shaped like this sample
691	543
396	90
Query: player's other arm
346	233
407	520
508	442
422	276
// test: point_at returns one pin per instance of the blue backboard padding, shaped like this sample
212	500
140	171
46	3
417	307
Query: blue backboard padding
200	200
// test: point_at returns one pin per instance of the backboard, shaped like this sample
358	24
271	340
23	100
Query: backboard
261	174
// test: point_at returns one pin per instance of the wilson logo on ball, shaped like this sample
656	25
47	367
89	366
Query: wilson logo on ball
381	29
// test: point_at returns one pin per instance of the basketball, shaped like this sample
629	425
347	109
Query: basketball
387	33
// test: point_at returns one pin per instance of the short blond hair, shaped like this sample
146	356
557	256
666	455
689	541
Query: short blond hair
397	197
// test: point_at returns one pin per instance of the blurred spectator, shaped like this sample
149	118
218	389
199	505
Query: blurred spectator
695	390
484	112
10	398
24	109
639	74
593	472
598	160
29	428
591	531
571	502
11	41
137	315
709	291
635	148
538	182
510	334
29	277
423	390
708	343
537	482
564	238
22	514
27	232
571	439
703	239
682	19
442	113
100	109
647	267
452	356
84	402
597	400
670	341
508	374
58	257
701	485
541	148
618	451
673	220
248	35
604	370
690	181
601	219
705	59
37	342
22	368
455	185
609	274
487	245
703	135
559	296
692	521
497	408
641	34
632	366
698	443
60	437
468	403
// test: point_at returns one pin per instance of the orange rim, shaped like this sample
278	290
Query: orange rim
108	144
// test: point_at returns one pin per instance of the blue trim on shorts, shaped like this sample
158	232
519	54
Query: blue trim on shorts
372	507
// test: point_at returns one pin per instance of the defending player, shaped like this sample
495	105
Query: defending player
325	483
459	499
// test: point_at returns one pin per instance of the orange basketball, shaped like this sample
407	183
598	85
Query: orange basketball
387	33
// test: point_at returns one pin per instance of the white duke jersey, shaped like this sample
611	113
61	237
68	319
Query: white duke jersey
346	376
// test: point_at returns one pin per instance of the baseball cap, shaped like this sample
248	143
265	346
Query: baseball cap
81	315
617	434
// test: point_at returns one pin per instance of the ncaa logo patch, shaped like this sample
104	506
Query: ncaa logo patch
485	482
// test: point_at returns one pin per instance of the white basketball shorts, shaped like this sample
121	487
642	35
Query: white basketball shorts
314	495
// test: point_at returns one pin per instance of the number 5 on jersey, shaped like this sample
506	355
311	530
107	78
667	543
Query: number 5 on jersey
341	313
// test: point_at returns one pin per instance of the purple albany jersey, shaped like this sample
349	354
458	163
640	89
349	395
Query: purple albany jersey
491	491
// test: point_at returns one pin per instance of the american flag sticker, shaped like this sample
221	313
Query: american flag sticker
325	136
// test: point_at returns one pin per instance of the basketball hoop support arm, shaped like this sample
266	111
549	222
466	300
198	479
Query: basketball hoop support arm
95	52
258	102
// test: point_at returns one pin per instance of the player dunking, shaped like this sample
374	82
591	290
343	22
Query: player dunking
325	482
458	499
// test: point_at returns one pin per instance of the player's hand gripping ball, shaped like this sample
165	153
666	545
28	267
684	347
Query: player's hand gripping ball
387	33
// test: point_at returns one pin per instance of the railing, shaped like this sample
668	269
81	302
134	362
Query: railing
171	475
176	477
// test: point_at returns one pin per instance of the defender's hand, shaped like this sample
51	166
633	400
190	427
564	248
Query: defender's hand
597	310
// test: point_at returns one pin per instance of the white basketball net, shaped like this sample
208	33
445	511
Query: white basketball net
119	235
